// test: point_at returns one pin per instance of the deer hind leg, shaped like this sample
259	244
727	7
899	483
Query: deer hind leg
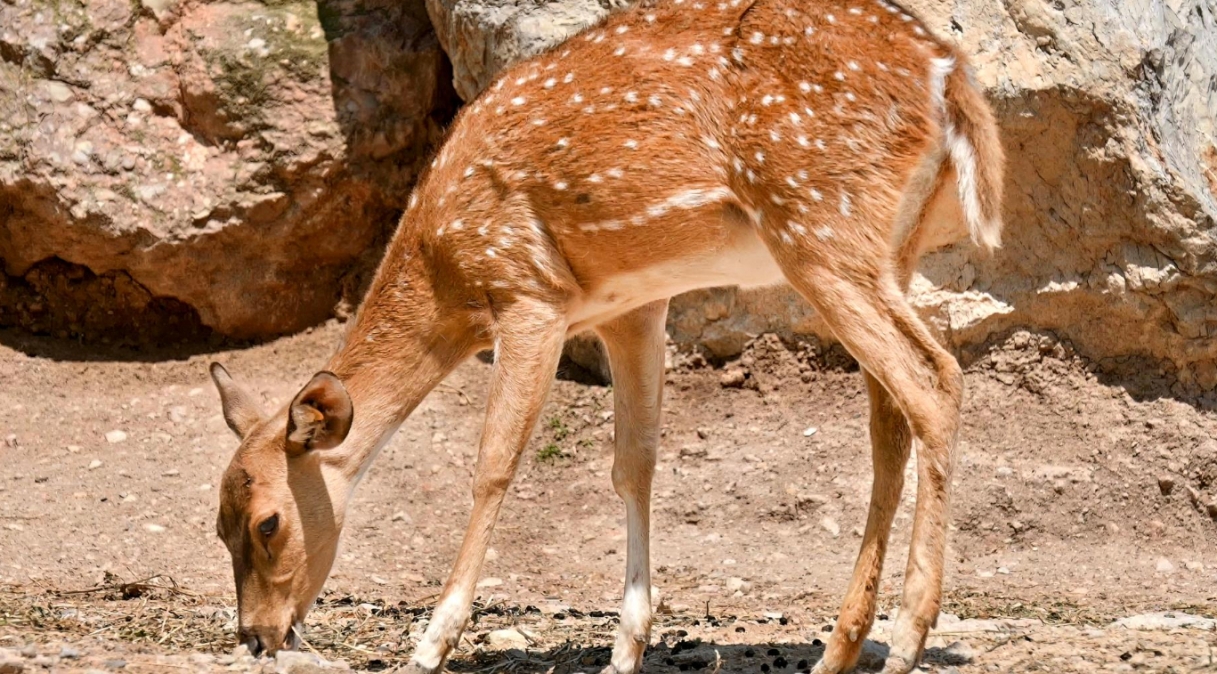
846	273
891	441
635	344
526	357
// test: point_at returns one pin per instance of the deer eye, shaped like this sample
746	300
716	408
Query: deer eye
269	526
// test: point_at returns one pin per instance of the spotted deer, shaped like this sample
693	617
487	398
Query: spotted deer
678	145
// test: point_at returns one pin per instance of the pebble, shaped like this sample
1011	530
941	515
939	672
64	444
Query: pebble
1165	566
11	440
69	653
401	516
490	582
809	431
114	664
154	528
115	436
1166	620
501	640
1166	484
297	662
10	663
830	525
95	464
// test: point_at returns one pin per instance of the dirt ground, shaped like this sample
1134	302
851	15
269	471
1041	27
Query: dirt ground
1079	507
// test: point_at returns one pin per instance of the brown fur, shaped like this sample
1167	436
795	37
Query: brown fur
678	145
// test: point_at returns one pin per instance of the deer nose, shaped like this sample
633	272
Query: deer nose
253	642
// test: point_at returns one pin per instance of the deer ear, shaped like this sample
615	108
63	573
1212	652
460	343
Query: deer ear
320	416
241	411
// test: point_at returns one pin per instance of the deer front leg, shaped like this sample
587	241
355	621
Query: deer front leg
526	358
635	344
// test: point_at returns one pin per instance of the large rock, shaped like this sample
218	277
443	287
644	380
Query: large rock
483	37
232	162
1107	111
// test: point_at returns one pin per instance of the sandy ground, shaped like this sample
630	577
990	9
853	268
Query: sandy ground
1077	505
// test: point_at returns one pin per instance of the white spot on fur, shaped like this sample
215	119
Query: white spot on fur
518	100
846	205
631	144
824	233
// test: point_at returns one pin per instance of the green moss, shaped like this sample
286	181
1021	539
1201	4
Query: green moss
242	85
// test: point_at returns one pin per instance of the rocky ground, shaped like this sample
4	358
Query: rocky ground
1083	536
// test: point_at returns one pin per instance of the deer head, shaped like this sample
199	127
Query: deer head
279	517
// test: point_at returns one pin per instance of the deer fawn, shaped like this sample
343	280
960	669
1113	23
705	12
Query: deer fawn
677	145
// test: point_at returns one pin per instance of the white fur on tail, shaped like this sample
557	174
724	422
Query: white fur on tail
962	154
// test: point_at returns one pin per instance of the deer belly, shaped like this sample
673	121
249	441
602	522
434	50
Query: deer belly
746	263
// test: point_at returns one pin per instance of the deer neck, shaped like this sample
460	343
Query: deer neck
402	344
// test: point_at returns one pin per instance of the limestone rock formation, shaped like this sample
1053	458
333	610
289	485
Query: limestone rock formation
1108	113
232	160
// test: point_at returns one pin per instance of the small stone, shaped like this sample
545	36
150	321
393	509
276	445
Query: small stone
11	440
830	525
401	516
733	378
69	653
738	585
379	581
154	528
115	436
501	640
1003	570
172	472
176	414
490	582
298	662
810	431
10	662
1165	566
95	464
1166	484
1193	565
58	91
114	664
703	433
959	653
